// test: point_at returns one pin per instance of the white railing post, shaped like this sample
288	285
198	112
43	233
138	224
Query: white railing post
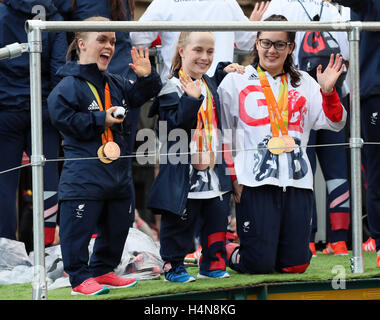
356	143
37	161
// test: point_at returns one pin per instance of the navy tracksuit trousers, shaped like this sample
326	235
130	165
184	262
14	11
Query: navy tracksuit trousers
274	229
370	124
177	232
15	138
79	220
334	165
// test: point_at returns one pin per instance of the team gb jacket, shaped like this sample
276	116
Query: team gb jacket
74	111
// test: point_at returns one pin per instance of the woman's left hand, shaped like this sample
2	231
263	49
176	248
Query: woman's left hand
141	63
234	67
328	78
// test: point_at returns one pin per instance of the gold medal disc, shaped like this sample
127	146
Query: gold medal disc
102	156
276	145
111	150
289	143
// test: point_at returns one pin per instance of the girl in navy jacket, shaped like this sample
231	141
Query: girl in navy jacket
115	10
185	192
94	194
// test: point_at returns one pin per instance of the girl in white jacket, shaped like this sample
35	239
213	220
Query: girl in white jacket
270	110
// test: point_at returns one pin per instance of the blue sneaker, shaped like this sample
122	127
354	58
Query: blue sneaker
214	274
179	274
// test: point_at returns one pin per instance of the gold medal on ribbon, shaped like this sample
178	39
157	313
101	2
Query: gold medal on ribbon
102	156
204	157
109	150
276	145
278	115
289	143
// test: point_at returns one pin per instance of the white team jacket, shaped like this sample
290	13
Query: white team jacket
244	111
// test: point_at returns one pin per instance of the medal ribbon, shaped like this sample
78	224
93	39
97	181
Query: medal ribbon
205	118
278	111
107	136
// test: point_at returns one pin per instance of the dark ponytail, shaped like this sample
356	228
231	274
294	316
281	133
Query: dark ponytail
117	10
295	75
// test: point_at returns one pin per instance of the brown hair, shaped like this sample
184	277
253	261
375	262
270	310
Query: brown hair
295	75
73	50
117	10
183	40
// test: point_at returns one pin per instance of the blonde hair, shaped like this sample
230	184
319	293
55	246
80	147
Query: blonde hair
183	40
80	35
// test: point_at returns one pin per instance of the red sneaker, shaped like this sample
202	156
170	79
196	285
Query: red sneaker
369	245
111	280
195	256
312	249
378	261
339	248
89	287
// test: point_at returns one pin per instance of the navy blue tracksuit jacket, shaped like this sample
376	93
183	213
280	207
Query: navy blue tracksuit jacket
74	112
171	187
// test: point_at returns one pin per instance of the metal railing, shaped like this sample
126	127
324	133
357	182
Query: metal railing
34	29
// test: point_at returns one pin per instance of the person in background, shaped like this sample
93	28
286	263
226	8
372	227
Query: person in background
96	194
369	10
271	109
15	130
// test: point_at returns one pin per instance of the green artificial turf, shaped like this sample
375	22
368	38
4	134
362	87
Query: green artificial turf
321	268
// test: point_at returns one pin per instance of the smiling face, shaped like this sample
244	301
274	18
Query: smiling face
272	59
197	54
97	47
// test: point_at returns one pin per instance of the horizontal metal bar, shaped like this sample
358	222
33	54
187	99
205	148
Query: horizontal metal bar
74	26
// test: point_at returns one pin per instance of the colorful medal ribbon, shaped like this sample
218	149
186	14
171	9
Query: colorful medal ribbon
204	119
278	111
107	136
109	150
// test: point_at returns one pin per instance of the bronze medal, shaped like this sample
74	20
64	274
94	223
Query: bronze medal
111	150
276	145
101	155
289	143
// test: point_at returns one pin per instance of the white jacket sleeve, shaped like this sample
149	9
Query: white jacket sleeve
244	40
154	12
274	7
227	105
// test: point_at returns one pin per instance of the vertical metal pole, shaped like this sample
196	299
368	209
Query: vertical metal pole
357	263
37	162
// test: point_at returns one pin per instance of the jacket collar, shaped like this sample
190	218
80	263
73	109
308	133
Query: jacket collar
86	72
